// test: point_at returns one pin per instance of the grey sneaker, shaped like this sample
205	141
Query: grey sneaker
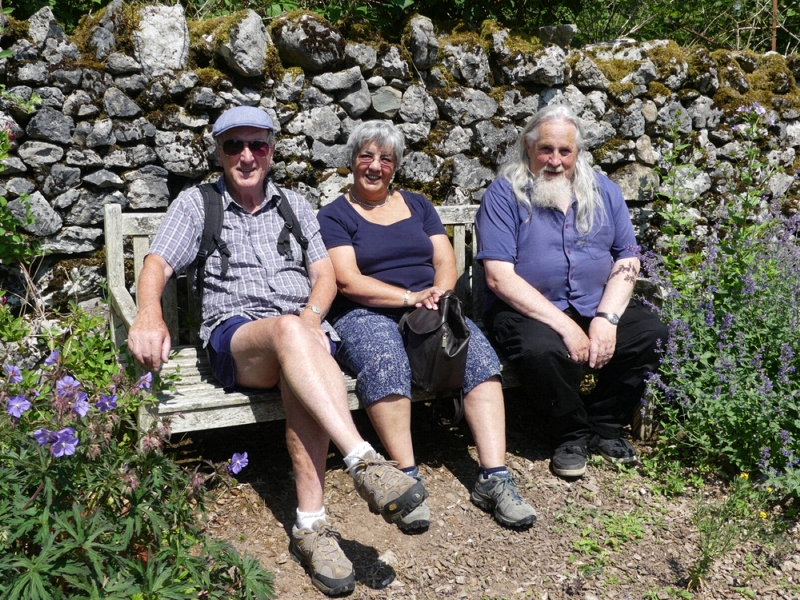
569	460
419	519
317	549
499	494
618	451
386	488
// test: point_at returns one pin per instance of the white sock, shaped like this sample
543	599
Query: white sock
358	452
307	520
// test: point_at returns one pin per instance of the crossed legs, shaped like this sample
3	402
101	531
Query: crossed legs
283	351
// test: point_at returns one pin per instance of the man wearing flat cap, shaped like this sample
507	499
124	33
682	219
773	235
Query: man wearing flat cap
263	325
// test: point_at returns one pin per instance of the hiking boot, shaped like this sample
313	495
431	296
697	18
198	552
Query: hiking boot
387	490
615	451
419	519
317	549
569	460
498	494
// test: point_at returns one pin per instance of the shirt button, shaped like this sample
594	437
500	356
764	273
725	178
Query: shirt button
569	251
566	226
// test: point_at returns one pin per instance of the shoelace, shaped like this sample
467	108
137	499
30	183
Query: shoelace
511	489
326	531
366	462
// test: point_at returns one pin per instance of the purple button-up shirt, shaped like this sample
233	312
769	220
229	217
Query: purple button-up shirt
547	251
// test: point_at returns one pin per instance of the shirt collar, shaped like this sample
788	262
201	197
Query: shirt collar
227	199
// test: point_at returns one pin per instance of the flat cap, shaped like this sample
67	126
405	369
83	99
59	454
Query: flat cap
242	116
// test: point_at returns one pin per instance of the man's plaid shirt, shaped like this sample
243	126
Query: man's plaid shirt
260	283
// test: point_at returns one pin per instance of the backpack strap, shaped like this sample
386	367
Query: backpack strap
212	235
291	226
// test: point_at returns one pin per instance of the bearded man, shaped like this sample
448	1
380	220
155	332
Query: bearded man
557	244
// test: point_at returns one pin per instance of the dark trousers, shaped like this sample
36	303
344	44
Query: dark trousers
552	380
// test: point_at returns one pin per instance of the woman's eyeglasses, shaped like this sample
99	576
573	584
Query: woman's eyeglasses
259	148
366	158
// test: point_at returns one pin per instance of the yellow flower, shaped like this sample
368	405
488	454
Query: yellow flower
744	476
769	490
762	514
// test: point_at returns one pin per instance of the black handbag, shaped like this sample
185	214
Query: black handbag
436	342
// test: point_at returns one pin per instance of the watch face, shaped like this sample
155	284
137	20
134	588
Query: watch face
315	309
613	318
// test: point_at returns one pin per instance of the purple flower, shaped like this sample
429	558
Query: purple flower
81	404
238	462
17	405
65	444
14	374
50	360
45	436
67	386
107	403
145	381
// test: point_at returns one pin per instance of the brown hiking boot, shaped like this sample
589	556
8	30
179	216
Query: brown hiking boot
386	488
317	549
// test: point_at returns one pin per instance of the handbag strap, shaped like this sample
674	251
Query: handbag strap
458	409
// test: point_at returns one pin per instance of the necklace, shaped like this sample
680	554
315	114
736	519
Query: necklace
367	204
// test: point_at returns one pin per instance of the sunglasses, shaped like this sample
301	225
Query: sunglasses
259	148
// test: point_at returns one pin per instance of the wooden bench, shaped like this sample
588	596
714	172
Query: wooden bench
198	402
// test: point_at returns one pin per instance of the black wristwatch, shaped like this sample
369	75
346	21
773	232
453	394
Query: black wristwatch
613	318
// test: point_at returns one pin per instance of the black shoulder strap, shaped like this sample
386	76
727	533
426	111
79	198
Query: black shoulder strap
291	226
212	235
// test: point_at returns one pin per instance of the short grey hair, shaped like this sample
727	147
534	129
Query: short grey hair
383	133
584	187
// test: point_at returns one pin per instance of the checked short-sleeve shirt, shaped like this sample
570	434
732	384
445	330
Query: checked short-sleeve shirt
260	283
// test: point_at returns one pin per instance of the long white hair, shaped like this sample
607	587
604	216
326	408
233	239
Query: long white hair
584	187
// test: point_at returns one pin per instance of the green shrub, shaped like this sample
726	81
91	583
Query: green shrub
85	510
728	387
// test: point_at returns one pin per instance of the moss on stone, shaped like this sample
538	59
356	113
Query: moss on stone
616	69
273	67
772	75
207	36
126	21
656	89
15	29
210	77
667	59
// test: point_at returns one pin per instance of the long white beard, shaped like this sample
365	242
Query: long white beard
552	192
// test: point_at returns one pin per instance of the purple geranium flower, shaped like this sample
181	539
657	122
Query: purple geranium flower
17	405
238	462
45	436
107	403
81	404
65	444
145	381
50	360
67	386
14	374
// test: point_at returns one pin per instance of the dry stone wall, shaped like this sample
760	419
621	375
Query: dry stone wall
128	102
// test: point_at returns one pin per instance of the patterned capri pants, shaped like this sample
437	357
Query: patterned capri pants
372	349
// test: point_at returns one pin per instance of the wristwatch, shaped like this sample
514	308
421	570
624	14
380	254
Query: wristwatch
315	309
613	318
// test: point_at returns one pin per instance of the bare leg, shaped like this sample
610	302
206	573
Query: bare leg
308	445
484	410
282	349
391	418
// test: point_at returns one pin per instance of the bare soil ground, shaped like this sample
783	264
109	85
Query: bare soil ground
607	535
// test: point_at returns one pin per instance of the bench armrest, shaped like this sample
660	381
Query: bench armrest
123	305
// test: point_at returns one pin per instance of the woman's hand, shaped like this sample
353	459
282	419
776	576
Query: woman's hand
428	298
